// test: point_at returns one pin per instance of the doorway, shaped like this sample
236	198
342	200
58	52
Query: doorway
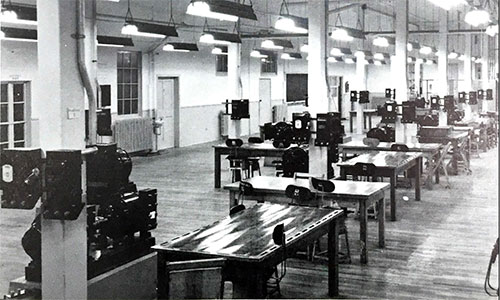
265	108
14	115
167	112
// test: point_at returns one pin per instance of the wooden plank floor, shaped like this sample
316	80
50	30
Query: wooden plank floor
439	248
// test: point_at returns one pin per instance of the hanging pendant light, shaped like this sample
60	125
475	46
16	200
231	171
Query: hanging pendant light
381	41
477	17
290	23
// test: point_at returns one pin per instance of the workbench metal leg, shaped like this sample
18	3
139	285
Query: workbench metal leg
333	258
381	222
393	196
418	170
217	169
363	226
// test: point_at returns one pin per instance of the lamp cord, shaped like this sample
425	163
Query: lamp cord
128	16
285	6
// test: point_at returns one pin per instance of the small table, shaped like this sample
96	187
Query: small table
366	113
265	149
245	240
272	189
387	164
460	141
431	151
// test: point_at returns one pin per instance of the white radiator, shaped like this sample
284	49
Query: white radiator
279	112
224	124
134	134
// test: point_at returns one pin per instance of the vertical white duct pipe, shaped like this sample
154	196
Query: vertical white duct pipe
84	74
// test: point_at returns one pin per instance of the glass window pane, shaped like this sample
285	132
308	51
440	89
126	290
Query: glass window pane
120	91
134	59
126	107
19	92
135	75
18	132
4	115
19	144
18	112
4	133
120	107
134	106
126	76
126	59
5	96
135	91
126	91
119	59
120	76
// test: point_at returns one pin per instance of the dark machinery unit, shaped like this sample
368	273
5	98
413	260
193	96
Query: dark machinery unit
295	159
390	94
428	134
119	218
480	94
435	102
283	134
104	122
472	98
427	118
364	97
384	133
240	109
388	112
21	177
301	127
420	102
330	133
462	97
489	94
354	96
453	114
409	112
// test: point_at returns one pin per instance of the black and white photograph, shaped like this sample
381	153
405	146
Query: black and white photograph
249	149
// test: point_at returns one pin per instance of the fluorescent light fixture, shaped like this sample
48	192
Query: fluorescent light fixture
219	38
426	50
429	61
410	46
220	50
453	55
180	47
477	17
304	48
150	30
18	14
113	41
292	24
350	60
365	53
478	60
492	30
18	34
377	63
258	54
447	4
410	59
221	10
381	41
461	57
419	61
341	34
290	56
276	44
381	56
332	59
340	51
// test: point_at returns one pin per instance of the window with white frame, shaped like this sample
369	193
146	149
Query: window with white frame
129	82
13	102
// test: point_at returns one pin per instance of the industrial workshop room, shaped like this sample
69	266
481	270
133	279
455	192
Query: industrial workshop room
249	149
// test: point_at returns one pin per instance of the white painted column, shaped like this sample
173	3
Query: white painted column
484	71
360	85
316	85
62	126
234	84
467	85
442	76
316	65
400	67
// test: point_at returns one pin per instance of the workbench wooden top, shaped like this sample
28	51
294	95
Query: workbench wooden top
350	189
385	146
383	159
247	235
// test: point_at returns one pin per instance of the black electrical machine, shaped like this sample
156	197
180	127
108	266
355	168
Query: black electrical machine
119	217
